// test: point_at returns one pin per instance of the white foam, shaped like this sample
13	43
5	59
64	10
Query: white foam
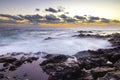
62	42
67	46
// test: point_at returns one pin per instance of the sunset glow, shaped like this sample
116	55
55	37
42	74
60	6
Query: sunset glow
50	11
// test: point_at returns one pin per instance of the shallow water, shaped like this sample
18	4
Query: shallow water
27	71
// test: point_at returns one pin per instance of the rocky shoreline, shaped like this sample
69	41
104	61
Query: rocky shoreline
102	64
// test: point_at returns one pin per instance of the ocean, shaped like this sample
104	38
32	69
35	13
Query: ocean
51	40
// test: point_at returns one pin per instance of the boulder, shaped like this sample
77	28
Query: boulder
54	59
100	71
115	75
61	67
7	59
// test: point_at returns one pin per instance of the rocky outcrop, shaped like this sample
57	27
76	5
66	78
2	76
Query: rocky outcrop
102	64
115	39
61	67
7	59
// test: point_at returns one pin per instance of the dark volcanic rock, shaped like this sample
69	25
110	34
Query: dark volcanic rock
115	75
100	71
48	38
84	31
115	39
89	63
13	67
90	35
1	75
7	59
54	59
31	59
61	67
117	64
5	64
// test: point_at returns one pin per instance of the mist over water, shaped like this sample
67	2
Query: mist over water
50	40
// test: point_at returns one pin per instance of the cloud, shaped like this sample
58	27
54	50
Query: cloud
79	17
94	18
71	20
60	9
11	17
67	18
32	18
51	18
105	20
63	16
51	10
116	21
37	9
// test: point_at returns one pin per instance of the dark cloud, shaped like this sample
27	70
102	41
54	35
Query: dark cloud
79	17
116	21
67	18
51	10
60	9
63	16
32	18
105	20
89	19
94	18
51	18
11	17
37	9
71	20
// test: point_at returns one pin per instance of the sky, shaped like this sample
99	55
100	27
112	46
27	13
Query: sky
109	9
101	8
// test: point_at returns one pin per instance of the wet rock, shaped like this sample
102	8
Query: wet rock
23	59
115	39
115	57
83	54
5	64
48	38
89	63
38	53
12	68
2	69
61	67
63	72
31	59
55	59
90	35
84	31
18	63
117	64
49	56
100	71
111	76
1	75
7	59
15	53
